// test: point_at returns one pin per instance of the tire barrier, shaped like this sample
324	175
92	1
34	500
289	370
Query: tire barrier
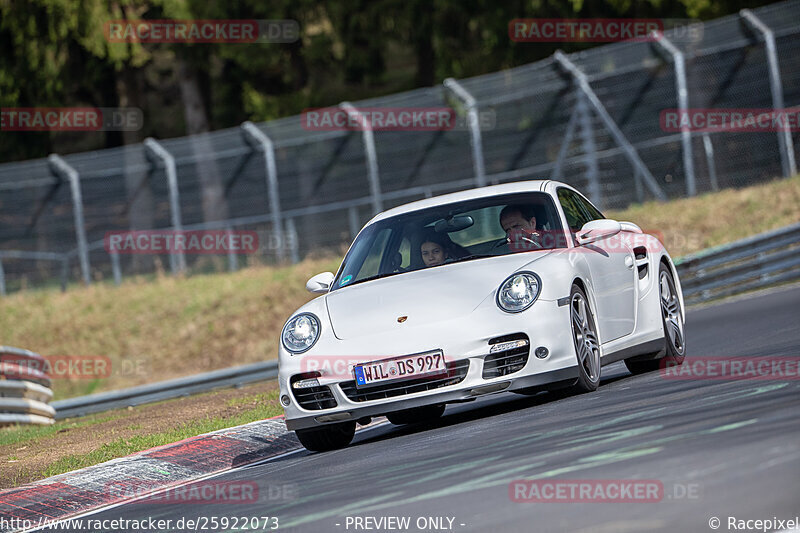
24	388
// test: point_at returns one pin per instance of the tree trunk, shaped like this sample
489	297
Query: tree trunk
212	188
422	37
139	192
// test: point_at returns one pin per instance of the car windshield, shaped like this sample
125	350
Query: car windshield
450	233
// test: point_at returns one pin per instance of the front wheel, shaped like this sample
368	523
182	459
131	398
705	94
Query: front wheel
326	438
672	320
587	345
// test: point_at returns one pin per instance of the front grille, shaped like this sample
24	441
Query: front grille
508	361
456	372
312	398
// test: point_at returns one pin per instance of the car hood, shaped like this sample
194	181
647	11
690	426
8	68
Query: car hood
423	296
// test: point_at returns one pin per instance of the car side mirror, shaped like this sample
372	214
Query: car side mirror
320	282
596	230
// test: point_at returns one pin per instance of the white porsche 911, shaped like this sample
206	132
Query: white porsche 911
520	287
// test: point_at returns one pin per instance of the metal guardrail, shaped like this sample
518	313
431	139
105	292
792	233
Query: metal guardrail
752	263
24	388
165	390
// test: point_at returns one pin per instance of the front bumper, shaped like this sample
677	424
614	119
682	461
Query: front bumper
546	324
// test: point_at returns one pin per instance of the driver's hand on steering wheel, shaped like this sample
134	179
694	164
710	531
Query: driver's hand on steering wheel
522	239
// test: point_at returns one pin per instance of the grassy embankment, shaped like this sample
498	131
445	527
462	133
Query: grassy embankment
164	328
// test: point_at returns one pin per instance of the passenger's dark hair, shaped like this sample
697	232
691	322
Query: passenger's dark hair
438	238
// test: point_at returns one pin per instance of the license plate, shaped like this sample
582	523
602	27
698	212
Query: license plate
400	368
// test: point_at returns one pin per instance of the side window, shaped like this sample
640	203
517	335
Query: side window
373	260
589	209
570	203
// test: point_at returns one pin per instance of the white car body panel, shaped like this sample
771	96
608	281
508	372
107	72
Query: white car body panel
452	307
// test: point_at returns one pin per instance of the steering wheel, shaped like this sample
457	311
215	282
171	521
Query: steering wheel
530	242
499	243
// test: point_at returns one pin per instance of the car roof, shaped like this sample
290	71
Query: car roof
471	194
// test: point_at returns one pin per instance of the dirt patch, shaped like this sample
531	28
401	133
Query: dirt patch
32	455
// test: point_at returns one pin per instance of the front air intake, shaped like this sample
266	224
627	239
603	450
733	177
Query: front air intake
508	354
312	398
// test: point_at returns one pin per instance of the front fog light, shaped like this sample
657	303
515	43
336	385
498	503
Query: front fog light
285	400
518	292
300	333
305	383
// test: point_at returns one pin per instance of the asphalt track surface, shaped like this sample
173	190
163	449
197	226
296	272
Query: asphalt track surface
720	449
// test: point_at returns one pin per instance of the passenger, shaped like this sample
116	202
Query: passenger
433	253
434	249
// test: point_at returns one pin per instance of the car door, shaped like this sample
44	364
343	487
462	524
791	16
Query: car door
612	267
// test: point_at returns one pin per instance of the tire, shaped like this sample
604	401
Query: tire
326	438
672	322
584	337
417	415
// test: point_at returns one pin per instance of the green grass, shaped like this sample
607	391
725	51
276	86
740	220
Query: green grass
123	447
21	434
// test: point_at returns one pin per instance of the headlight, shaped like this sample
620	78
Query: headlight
300	333
518	292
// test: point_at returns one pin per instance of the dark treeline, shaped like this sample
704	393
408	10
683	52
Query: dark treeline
55	53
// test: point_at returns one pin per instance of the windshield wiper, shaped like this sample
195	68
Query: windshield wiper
468	257
370	278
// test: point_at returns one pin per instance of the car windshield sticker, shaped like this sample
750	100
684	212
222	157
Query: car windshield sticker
345	280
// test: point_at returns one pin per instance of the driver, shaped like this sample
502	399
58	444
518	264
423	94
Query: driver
519	223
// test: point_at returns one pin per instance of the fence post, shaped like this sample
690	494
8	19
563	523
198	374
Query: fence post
679	62
776	88
590	152
2	279
294	250
352	220
568	135
64	272
633	156
712	168
255	137
233	260
115	268
63	170
474	129
372	155
177	261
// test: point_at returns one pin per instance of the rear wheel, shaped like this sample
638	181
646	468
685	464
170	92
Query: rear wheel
325	438
672	319
416	415
587	345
